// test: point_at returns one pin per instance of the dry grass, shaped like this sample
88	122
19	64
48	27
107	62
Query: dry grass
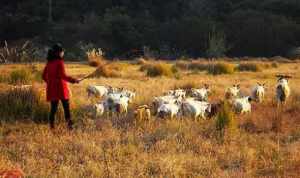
23	103
22	76
186	86
111	147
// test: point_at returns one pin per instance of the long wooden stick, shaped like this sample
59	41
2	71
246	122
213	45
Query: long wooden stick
87	76
83	78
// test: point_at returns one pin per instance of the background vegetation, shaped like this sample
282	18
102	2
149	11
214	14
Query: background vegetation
169	28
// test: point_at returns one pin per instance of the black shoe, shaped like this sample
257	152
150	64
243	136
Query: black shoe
70	125
52	126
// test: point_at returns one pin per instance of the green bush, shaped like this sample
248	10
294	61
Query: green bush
221	68
23	103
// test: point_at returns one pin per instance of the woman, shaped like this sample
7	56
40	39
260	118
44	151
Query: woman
57	88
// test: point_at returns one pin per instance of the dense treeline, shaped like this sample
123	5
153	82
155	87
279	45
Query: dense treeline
178	27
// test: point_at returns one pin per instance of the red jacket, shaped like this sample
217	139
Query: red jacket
55	76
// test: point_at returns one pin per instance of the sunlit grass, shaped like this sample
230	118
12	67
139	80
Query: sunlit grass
112	147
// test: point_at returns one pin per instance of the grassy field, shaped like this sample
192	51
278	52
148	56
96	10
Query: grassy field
265	144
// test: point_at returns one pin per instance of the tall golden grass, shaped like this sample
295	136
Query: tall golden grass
116	147
23	103
22	76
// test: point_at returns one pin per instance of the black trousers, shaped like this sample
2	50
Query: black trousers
54	106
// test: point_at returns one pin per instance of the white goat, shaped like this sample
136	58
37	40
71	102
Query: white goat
96	90
100	108
117	103
158	101
169	109
178	93
232	92
258	92
122	105
195	108
242	105
282	89
201	94
130	94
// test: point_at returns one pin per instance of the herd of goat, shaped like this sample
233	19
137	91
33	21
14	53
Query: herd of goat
179	102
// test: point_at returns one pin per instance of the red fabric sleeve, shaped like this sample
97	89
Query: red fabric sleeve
62	73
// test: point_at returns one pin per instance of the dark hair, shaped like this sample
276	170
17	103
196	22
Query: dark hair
53	53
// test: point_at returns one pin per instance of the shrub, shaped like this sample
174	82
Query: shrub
94	63
4	78
141	61
146	67
21	103
226	120
95	57
196	65
118	66
275	65
161	69
183	65
253	67
221	68
20	76
24	52
106	71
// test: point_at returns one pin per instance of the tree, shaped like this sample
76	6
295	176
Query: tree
216	44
